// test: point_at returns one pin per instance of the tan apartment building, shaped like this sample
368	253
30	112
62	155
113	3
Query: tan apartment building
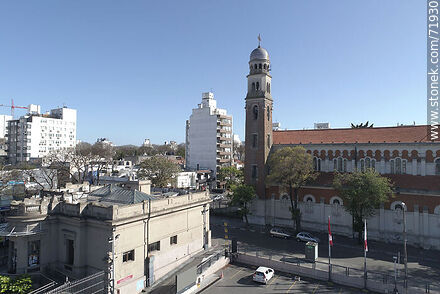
152	235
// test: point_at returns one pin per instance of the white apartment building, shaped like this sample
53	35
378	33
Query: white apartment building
4	125
35	135
208	136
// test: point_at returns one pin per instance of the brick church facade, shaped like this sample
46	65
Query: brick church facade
402	153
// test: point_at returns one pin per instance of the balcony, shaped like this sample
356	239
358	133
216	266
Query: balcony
223	160
219	138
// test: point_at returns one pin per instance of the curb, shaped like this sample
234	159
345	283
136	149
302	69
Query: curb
209	285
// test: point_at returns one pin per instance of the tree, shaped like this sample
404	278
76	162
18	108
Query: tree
230	175
241	196
102	154
159	170
362	193
20	285
181	150
291	168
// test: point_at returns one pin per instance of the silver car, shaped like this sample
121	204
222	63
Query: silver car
280	233
306	237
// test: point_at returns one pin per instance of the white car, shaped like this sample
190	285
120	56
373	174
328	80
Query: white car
280	233
306	237
263	274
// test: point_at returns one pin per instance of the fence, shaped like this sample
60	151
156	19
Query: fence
381	282
92	284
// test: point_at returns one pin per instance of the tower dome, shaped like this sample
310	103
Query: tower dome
259	53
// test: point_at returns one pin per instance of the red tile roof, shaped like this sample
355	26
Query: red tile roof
404	134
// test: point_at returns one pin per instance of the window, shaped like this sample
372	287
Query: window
336	201
70	252
317	164
255	66
340	164
268	141
257	86
173	240
33	253
264	66
127	256
255	111
367	163
398	166
253	87
154	246
254	140
268	113
437	166
254	171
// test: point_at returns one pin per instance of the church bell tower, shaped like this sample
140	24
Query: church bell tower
258	120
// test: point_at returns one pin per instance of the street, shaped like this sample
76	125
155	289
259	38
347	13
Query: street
423	265
238	279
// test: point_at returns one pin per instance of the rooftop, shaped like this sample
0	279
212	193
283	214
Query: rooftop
115	194
400	134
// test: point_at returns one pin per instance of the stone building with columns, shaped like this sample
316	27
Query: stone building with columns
402	153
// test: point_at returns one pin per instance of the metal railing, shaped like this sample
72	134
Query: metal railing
207	263
95	283
384	278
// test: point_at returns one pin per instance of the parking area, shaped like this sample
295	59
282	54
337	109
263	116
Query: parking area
238	279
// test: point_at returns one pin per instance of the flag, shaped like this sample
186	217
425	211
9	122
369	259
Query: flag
330	239
365	236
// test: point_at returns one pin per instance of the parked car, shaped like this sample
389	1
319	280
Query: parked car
306	237
263	274
280	233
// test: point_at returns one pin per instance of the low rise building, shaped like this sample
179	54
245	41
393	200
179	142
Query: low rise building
151	235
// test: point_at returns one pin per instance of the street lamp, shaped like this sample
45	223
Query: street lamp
404	244
112	240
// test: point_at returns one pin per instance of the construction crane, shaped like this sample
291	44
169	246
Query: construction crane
12	106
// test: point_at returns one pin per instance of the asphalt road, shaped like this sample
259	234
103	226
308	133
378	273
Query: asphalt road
238	279
423	265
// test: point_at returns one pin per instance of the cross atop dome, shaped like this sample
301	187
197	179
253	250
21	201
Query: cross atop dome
259	40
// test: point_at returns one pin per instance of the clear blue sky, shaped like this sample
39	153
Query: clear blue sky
135	69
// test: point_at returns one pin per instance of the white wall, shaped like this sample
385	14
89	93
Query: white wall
423	229
4	124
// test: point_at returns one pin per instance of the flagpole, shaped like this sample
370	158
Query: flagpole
329	252
365	253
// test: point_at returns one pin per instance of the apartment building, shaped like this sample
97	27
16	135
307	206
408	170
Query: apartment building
208	136
35	135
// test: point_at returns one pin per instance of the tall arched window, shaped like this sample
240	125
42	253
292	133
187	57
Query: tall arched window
258	86
253	87
268	88
259	66
264	66
367	163
268	113
317	164
398	165
255	111
340	164
437	166
255	66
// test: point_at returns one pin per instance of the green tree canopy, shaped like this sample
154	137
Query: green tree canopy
362	193
290	168
241	196
231	176
159	170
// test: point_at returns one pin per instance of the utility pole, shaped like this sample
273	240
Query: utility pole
112	240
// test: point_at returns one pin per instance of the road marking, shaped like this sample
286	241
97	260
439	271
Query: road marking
314	290
273	280
235	273
293	284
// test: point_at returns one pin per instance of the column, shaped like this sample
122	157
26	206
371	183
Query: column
414	166
423	167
